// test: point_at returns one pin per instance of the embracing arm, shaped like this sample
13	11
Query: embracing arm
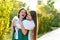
24	31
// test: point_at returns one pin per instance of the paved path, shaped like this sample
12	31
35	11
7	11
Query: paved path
53	35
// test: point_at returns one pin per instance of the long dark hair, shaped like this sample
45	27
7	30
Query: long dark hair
34	17
20	11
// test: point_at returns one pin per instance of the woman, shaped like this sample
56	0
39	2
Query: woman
30	24
17	33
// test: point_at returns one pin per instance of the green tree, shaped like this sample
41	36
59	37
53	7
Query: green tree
8	9
5	8
48	17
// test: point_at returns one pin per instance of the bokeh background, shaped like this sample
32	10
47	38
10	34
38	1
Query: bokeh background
48	12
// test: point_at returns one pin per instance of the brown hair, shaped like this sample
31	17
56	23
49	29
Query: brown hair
20	11
34	17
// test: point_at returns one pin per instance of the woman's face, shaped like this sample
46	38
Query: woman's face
29	16
22	13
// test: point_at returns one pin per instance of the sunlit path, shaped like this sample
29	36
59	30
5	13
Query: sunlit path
53	35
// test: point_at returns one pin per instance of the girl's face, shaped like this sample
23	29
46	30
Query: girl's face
29	16
22	13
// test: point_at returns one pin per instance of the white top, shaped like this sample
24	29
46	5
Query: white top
17	26
28	24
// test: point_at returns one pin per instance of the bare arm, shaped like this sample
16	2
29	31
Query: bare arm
24	31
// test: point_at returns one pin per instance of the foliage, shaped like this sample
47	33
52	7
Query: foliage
48	17
5	8
8	9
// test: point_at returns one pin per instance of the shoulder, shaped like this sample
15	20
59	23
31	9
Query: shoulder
27	22
32	23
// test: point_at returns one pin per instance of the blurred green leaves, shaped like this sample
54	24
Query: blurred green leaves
48	17
8	9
